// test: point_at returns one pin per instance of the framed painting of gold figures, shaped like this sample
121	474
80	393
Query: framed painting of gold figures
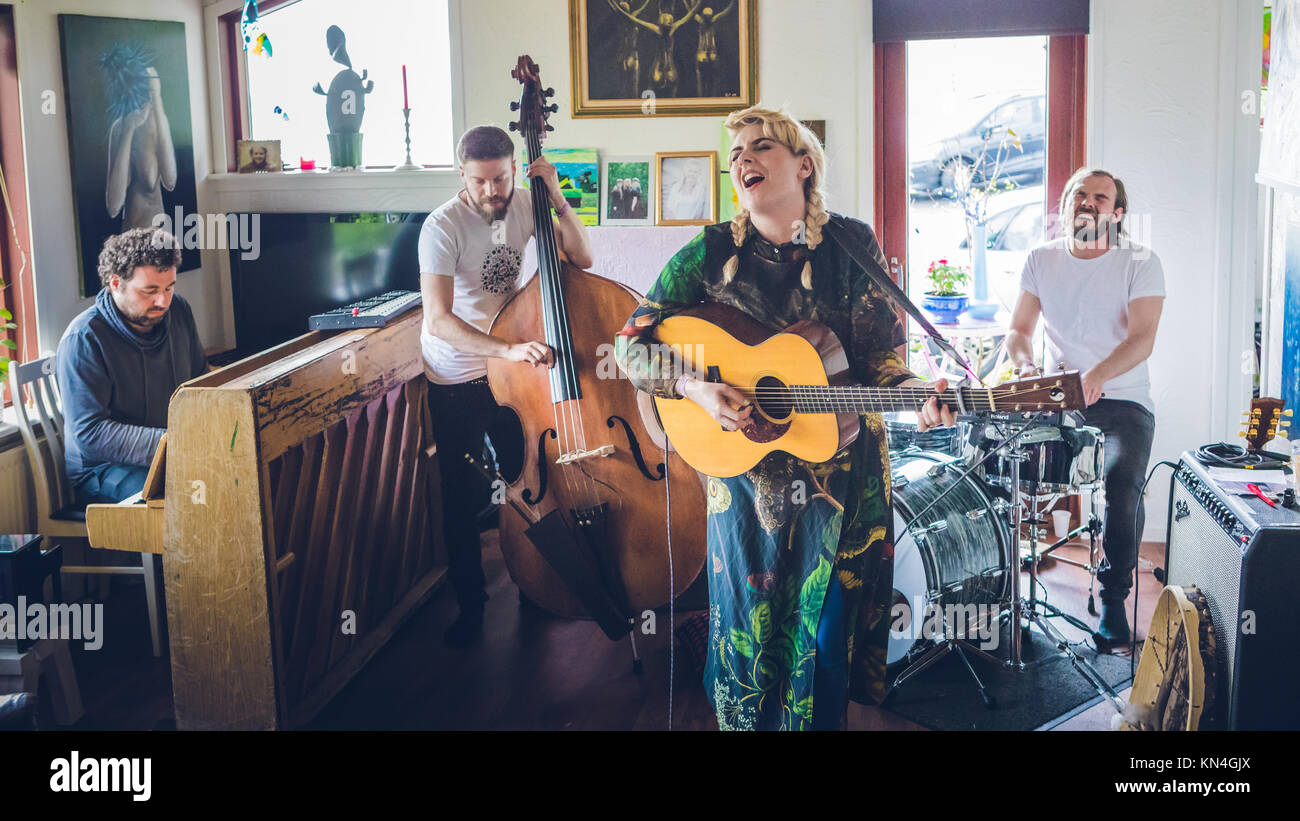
638	58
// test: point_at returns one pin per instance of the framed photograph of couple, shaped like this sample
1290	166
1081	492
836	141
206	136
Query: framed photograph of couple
639	58
687	186
627	197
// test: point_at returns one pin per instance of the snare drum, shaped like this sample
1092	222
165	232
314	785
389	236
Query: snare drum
955	553
1070	459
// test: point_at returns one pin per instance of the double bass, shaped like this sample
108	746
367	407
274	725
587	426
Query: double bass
605	524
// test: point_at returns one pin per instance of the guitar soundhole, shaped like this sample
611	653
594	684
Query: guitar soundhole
773	399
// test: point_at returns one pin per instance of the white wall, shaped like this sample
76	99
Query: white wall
812	55
45	138
1164	115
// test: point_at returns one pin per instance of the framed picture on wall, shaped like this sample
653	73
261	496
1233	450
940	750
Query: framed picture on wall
639	58
686	186
628	193
127	98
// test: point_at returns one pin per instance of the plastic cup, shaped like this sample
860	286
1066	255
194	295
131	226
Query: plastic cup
1061	522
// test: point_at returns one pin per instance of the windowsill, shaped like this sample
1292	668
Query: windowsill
377	189
303	180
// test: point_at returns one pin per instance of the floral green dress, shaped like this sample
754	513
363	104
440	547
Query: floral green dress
800	555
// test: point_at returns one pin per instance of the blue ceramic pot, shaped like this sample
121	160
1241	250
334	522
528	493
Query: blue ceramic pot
945	308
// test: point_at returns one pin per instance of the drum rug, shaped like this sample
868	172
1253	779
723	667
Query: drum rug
1049	691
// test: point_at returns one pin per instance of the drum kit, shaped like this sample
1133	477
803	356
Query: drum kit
970	508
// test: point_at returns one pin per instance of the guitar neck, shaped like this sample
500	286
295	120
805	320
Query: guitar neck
857	399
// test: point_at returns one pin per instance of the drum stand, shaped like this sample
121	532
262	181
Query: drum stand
1032	615
959	645
1093	527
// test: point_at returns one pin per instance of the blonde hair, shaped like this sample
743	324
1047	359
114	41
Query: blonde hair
794	135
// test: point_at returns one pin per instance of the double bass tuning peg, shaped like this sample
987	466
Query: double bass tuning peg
514	105
514	126
549	92
550	127
552	108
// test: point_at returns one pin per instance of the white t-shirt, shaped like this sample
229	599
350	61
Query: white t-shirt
456	241
1085	308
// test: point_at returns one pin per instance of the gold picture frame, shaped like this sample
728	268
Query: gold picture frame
688	193
626	44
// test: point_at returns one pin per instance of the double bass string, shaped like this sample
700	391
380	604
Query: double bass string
556	319
540	215
562	321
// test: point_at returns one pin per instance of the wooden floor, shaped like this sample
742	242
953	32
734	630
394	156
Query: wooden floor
532	670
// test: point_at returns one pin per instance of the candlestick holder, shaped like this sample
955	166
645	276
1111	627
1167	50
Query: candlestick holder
406	124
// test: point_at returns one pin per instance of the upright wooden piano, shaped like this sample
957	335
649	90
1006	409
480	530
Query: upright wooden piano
300	523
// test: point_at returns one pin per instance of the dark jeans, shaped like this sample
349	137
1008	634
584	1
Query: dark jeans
109	484
1129	428
461	416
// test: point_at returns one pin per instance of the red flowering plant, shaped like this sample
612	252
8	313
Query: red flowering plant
947	280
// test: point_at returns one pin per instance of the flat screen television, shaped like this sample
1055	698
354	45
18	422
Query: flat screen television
310	263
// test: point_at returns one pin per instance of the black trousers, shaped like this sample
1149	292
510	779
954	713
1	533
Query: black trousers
461	416
1129	429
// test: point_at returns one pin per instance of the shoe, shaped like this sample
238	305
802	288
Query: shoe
465	631
1113	630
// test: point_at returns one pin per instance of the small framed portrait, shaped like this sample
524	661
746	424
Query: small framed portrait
628	193
686	182
258	155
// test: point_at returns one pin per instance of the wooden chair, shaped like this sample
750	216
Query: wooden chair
59	517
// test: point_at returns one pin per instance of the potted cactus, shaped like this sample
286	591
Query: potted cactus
946	298
345	104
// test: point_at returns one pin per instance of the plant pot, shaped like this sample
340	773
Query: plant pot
945	308
345	150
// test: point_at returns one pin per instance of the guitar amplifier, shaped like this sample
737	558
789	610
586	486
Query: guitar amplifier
1245	557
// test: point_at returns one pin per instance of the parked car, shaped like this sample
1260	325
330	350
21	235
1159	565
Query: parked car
936	174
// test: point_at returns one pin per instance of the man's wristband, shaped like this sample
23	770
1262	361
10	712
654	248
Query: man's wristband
563	209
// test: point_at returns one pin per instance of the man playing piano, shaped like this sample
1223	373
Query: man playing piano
119	362
470	253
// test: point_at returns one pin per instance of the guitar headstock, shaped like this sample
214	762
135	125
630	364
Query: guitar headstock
532	108
1263	421
1048	392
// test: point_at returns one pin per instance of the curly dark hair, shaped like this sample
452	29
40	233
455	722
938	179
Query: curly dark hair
138	246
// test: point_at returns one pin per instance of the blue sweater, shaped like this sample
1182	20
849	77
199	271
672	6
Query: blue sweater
116	383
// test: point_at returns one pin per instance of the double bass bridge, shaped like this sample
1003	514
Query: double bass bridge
575	456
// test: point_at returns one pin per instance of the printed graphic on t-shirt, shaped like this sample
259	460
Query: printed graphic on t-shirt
500	269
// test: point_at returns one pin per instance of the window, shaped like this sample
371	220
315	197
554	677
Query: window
379	37
977	156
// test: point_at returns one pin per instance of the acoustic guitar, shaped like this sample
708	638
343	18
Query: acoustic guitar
804	402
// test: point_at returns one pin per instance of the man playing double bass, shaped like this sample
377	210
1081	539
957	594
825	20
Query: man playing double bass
470	253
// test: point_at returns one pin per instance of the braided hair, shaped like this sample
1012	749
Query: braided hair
797	137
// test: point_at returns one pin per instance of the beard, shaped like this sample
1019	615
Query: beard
491	210
146	320
1090	227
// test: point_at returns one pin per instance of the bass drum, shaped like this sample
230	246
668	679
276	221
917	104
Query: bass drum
954	553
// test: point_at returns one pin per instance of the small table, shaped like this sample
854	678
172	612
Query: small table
976	339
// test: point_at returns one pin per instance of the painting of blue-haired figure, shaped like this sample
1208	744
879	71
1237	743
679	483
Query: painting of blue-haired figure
127	98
